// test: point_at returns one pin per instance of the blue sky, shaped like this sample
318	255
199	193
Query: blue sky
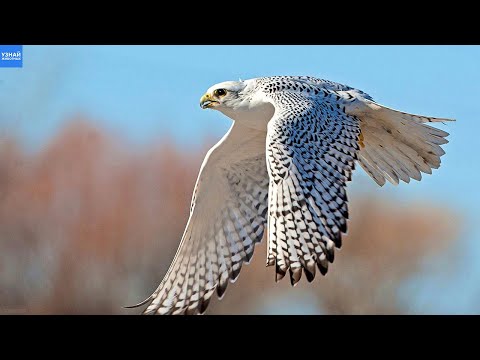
147	92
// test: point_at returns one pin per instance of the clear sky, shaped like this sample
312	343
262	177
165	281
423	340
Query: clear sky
146	92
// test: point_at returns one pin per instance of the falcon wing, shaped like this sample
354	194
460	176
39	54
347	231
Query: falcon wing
394	145
312	146
227	219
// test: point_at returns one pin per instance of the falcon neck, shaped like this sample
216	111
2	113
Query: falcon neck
255	116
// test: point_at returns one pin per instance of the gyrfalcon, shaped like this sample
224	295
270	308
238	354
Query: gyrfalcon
282	170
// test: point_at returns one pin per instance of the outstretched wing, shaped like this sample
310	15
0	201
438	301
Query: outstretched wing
395	145
227	219
312	145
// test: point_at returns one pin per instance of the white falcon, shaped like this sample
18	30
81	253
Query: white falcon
282	169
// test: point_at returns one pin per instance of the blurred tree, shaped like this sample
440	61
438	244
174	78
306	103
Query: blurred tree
89	224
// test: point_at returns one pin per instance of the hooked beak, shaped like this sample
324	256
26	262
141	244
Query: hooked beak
207	101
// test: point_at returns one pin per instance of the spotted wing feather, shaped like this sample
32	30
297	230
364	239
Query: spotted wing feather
312	145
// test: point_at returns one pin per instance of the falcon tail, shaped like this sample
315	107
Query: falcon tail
398	146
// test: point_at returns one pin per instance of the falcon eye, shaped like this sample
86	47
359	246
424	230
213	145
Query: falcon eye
220	92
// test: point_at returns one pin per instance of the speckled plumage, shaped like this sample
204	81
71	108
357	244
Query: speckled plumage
282	169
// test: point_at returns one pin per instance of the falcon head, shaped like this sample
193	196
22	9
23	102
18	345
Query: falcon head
240	101
225	95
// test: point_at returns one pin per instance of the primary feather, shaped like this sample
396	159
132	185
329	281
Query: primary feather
396	145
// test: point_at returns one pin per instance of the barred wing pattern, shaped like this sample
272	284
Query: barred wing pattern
227	219
312	145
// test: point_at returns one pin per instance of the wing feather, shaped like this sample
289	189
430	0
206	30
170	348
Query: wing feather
227	219
312	145
396	145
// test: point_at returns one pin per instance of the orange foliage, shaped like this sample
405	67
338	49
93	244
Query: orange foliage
89	224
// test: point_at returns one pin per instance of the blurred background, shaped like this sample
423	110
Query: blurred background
100	147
